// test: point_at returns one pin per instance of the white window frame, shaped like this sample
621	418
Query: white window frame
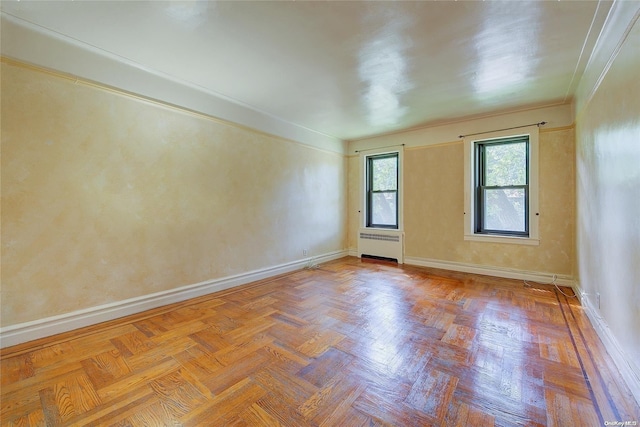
470	194
364	154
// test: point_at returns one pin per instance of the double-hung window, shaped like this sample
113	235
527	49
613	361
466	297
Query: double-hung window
382	200
501	188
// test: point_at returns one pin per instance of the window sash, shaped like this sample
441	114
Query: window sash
371	193
481	188
481	214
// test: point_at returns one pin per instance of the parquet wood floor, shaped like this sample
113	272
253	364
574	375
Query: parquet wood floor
353	343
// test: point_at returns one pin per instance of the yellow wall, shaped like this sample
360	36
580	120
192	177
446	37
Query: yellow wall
608	197
434	206
106	197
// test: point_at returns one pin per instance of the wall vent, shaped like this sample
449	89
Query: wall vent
382	243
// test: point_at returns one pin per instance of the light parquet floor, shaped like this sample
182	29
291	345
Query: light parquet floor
352	343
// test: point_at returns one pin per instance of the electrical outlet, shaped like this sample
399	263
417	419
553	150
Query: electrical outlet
304	252
598	300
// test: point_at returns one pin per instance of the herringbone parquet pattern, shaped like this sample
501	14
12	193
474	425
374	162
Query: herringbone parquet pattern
350	344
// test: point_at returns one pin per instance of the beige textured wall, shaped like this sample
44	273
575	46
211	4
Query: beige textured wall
434	206
107	197
608	198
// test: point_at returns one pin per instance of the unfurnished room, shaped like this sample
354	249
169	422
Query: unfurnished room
320	213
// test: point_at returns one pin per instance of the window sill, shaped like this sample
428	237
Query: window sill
382	228
390	231
502	239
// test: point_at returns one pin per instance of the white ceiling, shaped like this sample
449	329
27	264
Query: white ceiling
344	69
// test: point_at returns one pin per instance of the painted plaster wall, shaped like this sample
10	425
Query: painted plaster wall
608	196
107	197
434	206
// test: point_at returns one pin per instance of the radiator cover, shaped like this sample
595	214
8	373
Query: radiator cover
382	243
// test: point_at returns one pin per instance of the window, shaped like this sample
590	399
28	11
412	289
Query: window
382	191
502	186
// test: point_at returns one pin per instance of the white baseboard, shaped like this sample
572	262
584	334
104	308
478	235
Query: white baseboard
29	331
629	372
353	252
533	276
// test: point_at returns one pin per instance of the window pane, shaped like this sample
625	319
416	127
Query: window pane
504	209
506	164
385	174
384	208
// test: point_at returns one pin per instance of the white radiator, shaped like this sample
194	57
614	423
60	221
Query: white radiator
382	243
